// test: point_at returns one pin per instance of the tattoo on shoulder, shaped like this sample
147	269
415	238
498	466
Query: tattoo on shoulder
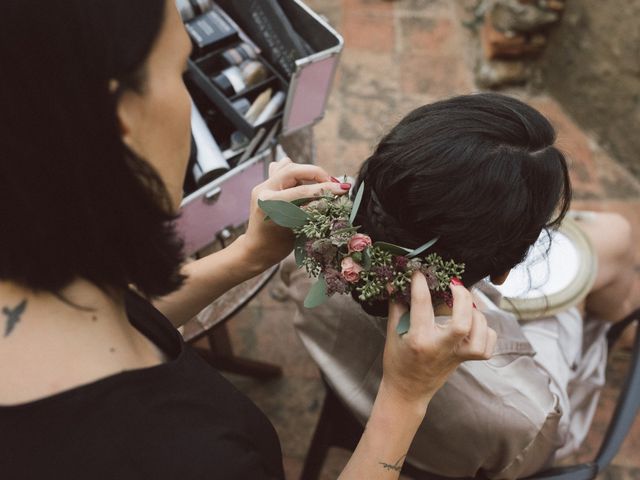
13	316
397	467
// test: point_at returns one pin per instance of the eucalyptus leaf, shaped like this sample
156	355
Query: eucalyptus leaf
283	213
423	248
391	248
302	201
317	294
356	203
404	323
366	259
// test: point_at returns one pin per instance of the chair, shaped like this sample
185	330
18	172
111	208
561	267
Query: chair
337	427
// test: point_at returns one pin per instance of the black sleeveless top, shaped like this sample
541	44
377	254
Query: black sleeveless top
177	420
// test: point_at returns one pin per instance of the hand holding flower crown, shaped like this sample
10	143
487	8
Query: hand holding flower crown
267	242
329	247
417	364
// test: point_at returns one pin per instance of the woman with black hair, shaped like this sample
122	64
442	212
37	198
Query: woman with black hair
483	175
94	381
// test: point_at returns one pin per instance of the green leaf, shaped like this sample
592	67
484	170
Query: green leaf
302	201
423	248
298	249
404	323
356	203
283	213
391	248
366	259
318	293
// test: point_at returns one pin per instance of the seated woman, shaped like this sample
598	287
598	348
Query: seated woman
480	172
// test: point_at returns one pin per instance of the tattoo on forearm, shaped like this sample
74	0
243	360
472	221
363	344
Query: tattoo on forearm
397	467
13	316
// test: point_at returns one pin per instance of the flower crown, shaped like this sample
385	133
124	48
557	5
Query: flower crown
330	248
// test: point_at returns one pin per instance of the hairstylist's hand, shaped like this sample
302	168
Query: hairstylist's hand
267	242
417	364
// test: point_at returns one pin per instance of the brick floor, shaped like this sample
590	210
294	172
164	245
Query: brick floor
400	55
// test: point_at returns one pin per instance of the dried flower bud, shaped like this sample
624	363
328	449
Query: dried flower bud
321	246
335	282
344	201
429	273
339	224
400	262
384	273
321	206
413	265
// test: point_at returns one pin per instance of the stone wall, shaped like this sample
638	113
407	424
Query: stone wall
592	66
511	34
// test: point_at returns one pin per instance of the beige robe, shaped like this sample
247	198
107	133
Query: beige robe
502	418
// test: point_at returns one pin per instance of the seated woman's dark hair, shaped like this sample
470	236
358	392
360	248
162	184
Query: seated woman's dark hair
480	172
75	202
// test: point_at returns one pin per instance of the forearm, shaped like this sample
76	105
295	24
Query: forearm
387	437
207	279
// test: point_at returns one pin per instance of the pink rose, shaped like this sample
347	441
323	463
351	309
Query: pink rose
350	270
359	242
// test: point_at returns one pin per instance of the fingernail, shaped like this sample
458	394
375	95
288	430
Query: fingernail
335	180
345	186
456	281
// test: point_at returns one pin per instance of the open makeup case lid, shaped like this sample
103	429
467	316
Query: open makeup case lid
313	76
305	74
299	52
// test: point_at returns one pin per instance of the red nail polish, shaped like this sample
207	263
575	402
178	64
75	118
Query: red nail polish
456	281
345	186
335	180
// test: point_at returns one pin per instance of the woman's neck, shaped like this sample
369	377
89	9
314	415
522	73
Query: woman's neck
80	301
50	343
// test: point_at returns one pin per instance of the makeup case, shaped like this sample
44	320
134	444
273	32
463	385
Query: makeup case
297	60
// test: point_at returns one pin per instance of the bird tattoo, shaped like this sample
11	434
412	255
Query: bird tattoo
13	316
